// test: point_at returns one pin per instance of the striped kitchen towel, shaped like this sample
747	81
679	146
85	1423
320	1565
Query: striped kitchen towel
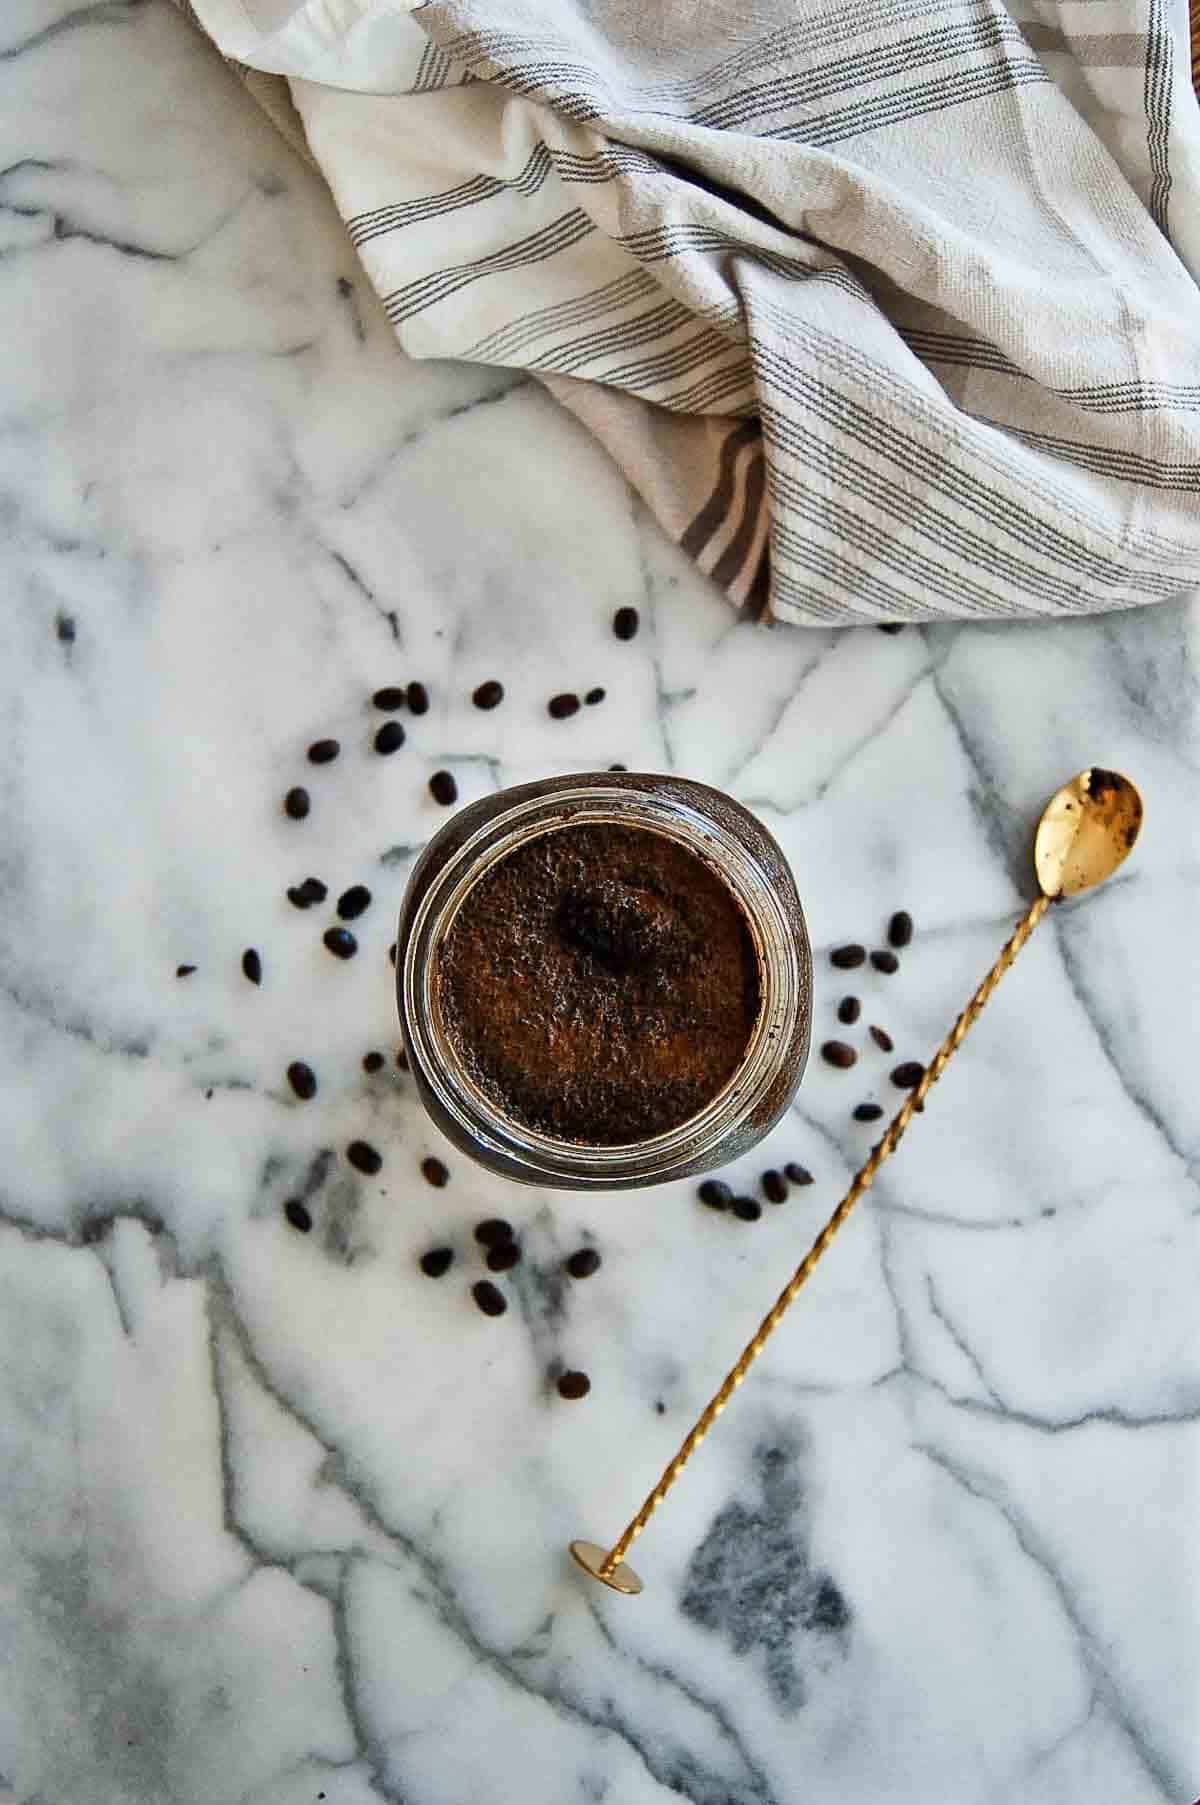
887	307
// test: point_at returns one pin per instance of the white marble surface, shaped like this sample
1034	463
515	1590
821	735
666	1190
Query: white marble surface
280	1519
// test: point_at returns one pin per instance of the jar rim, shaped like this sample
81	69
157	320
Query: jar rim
782	957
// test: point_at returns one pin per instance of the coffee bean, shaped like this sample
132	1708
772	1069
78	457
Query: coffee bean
836	1052
618	767
353	902
363	1158
184	971
774	1184
908	1075
341	942
435	1173
847	957
390	738
372	1062
715	1193
849	1010
389	700
593	696
503	1257
323	752
890	626
489	1297
493	1231
443	788
297	803
900	928
626	622
562	707
302	1079
392	953
882	1040
583	1263
883	960
799	1175
867	1112
746	1209
401	1059
573	1385
418	699
489	694
252	966
297	1215
303	896
437	1262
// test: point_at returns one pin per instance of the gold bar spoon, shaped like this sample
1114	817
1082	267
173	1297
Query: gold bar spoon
1087	830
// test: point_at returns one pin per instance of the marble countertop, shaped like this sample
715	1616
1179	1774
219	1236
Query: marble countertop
282	1520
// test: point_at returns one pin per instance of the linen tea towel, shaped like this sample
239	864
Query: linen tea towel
888	309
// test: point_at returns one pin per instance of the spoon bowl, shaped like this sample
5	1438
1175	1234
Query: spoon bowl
1088	829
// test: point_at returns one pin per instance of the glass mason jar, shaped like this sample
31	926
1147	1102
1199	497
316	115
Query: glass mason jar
737	848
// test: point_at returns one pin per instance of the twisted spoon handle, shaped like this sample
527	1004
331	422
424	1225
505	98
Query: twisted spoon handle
770	1322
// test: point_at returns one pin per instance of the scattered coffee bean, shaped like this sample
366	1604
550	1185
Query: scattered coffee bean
746	1209
836	1052
890	626
489	694
626	622
401	1060
303	896
390	738
252	966
353	902
849	1010
882	1040
900	928
372	1062
392	953
389	700
363	1158
908	1075
418	698
618	767
437	1262
847	957
493	1231
503	1257
435	1172
775	1187
341	942
867	1112
799	1175
64	627
886	961
593	696
443	788
562	707
297	803
583	1263
184	971
573	1385
297	1215
323	752
489	1297
715	1193
302	1079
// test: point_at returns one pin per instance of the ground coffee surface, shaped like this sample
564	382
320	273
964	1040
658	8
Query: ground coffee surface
599	984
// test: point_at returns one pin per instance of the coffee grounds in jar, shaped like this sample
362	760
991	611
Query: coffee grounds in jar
599	984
